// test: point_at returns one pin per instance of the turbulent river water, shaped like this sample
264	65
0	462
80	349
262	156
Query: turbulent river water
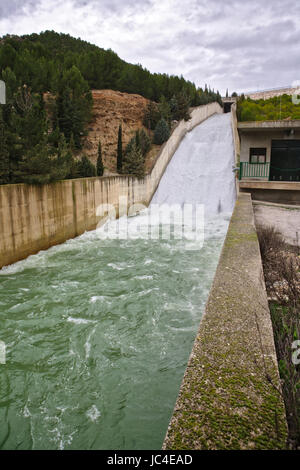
98	331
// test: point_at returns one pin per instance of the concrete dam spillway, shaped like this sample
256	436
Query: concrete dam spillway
98	331
200	172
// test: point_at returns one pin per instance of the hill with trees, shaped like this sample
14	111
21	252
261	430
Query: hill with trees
49	78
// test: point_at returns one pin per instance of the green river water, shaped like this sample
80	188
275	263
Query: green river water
98	334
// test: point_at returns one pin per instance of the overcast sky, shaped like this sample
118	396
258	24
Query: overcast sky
237	44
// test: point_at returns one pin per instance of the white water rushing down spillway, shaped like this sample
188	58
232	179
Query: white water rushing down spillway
98	331
201	169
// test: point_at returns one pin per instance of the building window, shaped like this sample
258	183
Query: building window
258	155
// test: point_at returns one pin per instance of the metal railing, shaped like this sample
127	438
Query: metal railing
254	170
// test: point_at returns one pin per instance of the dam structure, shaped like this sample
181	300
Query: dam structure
201	170
98	331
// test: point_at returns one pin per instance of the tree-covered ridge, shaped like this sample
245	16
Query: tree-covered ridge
49	77
39	60
272	109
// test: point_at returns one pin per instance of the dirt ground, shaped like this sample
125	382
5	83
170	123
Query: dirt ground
110	109
286	219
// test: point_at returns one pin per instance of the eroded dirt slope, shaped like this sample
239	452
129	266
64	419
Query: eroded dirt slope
110	109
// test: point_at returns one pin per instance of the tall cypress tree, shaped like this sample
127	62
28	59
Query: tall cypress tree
100	167
120	151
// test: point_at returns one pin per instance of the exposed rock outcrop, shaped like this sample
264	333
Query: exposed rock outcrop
110	109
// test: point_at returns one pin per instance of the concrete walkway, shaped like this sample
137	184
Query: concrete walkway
230	397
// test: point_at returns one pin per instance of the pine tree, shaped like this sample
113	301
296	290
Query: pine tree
134	163
11	83
151	116
141	140
137	139
54	137
38	167
85	167
165	109
72	143
74	104
183	104
173	107
162	132
100	167
145	142
120	151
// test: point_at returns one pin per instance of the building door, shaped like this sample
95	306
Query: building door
285	160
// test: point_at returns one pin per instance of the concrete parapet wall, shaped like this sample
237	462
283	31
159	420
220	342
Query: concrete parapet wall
236	141
230	397
33	218
236	137
280	192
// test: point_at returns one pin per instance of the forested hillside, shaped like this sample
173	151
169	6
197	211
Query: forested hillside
273	109
39	137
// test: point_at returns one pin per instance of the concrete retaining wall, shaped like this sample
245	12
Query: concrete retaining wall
33	218
279	192
236	137
230	397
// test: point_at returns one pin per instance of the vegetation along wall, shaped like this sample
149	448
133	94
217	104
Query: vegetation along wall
35	217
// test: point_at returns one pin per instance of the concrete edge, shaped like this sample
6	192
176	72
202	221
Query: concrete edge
230	397
236	142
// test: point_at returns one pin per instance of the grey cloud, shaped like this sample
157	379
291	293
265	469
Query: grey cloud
234	43
13	7
115	6
258	38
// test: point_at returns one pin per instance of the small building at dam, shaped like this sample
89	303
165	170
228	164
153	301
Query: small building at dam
270	160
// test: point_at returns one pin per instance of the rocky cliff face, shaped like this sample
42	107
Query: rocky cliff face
110	109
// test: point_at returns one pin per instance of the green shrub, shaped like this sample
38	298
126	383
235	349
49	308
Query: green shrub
86	168
162	132
134	162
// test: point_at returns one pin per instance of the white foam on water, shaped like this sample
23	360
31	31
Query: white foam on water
142	278
96	298
80	321
26	412
88	344
93	414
